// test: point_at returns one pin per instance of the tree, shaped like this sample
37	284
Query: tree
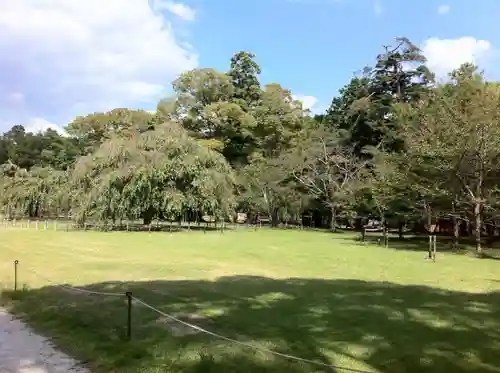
42	149
364	108
195	90
455	133
351	120
233	128
35	193
160	173
330	171
244	74
268	188
92	130
279	118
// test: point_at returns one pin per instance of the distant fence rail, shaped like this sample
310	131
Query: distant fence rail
157	225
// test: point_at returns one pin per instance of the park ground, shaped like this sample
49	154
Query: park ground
315	295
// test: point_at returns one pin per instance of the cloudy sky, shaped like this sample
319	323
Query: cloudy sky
62	58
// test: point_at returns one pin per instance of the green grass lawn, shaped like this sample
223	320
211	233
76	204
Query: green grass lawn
316	295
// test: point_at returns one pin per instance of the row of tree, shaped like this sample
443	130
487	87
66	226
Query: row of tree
393	145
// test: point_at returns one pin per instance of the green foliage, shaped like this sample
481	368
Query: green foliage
244	73
234	127
329	170
454	141
160	173
47	149
279	119
364	108
91	130
195	90
392	144
35	193
269	189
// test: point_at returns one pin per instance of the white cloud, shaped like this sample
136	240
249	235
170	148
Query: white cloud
445	55
308	102
41	125
444	9
79	56
180	10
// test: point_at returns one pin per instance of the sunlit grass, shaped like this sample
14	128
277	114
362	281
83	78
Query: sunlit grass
317	295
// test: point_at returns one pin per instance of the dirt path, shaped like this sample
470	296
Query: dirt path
23	351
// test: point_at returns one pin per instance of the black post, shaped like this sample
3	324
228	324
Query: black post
128	294
16	263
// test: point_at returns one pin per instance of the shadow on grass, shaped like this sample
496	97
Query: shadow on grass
466	245
375	326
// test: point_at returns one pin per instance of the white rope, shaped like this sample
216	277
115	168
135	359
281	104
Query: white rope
248	345
84	291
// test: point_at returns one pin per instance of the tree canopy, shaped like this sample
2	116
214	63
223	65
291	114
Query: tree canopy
394	145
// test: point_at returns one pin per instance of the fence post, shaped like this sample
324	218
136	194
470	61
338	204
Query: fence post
434	249
128	294
16	263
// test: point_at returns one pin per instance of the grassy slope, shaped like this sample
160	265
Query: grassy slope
310	294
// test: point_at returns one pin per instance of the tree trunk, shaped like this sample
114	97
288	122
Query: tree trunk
400	231
478	226
274	219
386	235
429	224
147	217
456	233
333	219
384	230
456	228
359	223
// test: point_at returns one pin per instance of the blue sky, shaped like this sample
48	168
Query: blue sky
79	56
314	46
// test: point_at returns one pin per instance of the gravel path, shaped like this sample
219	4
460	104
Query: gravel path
23	351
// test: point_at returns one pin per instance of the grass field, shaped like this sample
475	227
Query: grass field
310	294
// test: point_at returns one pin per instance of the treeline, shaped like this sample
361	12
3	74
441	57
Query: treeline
394	145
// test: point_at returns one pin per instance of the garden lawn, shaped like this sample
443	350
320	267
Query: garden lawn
315	295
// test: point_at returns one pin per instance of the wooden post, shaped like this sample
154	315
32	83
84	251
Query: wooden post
431	228
16	263
128	294
434	249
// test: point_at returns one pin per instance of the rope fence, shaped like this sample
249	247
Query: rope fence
131	299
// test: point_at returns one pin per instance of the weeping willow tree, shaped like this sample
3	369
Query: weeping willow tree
157	174
40	192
